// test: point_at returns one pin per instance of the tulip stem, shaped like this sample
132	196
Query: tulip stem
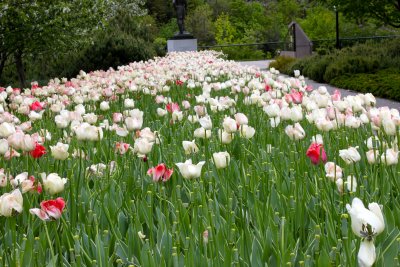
49	240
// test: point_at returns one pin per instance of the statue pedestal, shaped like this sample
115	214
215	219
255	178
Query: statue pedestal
182	42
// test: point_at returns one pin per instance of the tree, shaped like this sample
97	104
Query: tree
224	30
385	11
30	28
162	10
319	23
199	23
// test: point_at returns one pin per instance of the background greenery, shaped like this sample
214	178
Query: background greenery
61	38
369	68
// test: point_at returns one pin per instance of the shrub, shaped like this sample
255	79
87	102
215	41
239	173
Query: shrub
369	67
384	83
350	64
282	63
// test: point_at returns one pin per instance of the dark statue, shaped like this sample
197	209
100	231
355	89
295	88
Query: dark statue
180	7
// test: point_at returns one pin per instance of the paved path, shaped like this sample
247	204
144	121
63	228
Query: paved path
380	102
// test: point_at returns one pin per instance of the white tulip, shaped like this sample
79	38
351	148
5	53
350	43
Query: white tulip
389	126
351	183
142	146
229	125
177	116
202	133
129	103
34	116
189	170
247	131
366	255
193	119
390	157
3	146
221	159
11	201
53	183
161	112
373	142
224	137
61	122
295	132
133	124
275	121
206	122
104	106
6	129
60	151
333	171
272	110
190	147
339	185
296	114
362	218
350	155
241	119
317	139
90	118
87	132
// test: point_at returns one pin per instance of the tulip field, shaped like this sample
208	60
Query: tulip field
193	160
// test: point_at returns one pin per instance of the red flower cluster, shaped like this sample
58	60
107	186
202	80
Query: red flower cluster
178	82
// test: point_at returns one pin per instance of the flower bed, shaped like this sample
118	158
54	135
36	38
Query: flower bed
193	160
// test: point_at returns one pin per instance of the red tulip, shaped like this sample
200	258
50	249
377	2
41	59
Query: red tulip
316	153
50	209
39	151
36	106
160	172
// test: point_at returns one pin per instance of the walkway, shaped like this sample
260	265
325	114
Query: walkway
380	102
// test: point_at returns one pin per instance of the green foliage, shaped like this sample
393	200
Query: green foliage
199	23
127	39
224	30
384	11
31	29
349	64
370	67
288	10
160	45
282	63
168	30
361	58
161	10
384	83
247	16
319	23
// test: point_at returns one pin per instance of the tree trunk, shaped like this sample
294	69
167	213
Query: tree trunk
20	68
